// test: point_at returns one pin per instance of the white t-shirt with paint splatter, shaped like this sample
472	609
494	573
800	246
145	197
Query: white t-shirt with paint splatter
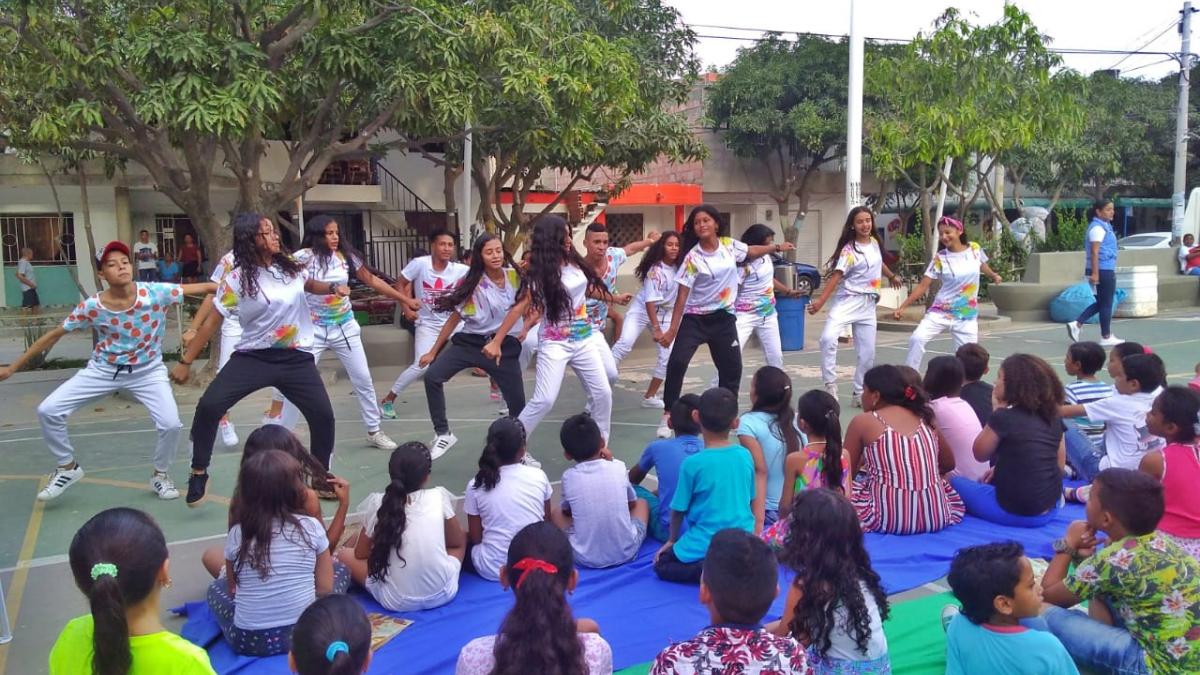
276	317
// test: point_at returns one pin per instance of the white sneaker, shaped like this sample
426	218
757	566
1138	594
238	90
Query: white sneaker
229	435
948	614
163	486
831	389
664	430
654	402
441	444
267	419
60	480
529	460
856	401
1073	330
1111	341
502	411
380	440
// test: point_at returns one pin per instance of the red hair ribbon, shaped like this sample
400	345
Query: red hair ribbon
527	565
947	220
910	393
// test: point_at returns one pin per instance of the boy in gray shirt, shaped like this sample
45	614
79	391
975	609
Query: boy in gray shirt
28	280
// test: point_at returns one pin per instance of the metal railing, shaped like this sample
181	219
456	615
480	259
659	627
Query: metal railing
396	194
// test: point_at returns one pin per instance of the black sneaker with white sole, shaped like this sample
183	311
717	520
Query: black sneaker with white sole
197	489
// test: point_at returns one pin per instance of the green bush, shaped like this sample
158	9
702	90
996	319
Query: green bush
1067	235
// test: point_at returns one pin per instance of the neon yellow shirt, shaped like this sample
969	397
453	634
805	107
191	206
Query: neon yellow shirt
162	653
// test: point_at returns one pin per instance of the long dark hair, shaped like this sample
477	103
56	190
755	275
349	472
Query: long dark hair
544	277
688	240
824	547
505	440
1097	207
314	239
1030	384
272	495
820	412
470	281
848	236
1179	406
115	558
245	253
657	253
539	634
278	437
333	618
408	468
757	235
773	395
894	389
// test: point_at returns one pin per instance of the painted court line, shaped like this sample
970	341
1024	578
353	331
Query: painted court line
16	588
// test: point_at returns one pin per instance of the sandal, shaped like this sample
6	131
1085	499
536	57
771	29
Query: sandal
1077	495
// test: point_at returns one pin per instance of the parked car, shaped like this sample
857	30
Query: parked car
1146	240
806	278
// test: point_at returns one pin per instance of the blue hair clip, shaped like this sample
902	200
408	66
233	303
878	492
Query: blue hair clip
334	647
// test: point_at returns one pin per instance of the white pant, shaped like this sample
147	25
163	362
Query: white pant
858	312
423	340
529	347
346	342
148	384
964	331
606	355
766	328
553	358
636	321
231	332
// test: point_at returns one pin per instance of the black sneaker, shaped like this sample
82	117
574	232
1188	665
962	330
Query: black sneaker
197	483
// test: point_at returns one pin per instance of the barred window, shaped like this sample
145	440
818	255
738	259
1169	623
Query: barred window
52	239
624	228
169	229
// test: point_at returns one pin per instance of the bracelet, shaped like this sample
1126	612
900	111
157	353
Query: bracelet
186	363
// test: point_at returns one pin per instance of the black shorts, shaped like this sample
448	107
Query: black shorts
30	298
191	269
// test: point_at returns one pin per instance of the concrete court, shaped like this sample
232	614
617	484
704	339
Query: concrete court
113	440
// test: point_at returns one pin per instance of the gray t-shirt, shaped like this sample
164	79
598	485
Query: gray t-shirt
598	493
290	586
25	269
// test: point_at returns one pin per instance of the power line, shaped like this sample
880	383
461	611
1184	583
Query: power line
1144	44
1148	65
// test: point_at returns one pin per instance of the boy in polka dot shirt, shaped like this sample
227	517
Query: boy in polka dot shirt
129	318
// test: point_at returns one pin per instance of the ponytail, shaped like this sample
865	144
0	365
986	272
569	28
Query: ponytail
110	633
773	395
505	441
332	637
895	389
408	467
831	462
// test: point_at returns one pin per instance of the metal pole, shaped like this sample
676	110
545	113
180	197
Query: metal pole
465	215
854	96
1181	122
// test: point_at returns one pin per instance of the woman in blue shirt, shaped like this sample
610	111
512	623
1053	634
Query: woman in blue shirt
1100	266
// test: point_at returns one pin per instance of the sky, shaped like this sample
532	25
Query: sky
1095	24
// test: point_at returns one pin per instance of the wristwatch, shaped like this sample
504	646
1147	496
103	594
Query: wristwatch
1060	546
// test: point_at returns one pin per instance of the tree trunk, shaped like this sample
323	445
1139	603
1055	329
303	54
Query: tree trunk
450	176
85	206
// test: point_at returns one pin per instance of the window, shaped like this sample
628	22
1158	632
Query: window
169	229
52	240
623	228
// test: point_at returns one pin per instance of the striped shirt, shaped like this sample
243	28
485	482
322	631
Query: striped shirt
1080	392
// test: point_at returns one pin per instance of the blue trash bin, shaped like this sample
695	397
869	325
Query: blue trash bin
791	322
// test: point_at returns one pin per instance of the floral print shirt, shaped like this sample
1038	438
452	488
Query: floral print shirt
598	309
276	317
958	297
1155	587
756	290
132	337
733	650
861	266
329	310
713	277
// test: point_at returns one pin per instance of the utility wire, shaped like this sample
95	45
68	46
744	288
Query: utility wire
1148	65
1145	44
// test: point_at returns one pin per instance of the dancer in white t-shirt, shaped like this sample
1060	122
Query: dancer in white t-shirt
958	264
856	270
652	306
429	277
606	262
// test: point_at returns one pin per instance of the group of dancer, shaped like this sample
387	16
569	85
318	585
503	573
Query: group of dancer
278	312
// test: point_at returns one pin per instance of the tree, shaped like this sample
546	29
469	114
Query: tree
195	91
782	104
967	94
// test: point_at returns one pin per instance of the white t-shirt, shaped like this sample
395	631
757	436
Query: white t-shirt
842	644
290	586
478	656
660	288
485	310
598	309
1126	438
597	493
230	328
146	255
578	326
756	291
427	570
332	309
958	297
712	276
1182	256
861	266
25	269
1096	233
277	317
430	284
519	499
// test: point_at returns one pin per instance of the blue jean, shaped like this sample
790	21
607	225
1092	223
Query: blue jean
147	275
1194	272
1100	647
656	528
980	500
1106	288
1081	453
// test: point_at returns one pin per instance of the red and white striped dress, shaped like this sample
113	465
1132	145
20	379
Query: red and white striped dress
899	489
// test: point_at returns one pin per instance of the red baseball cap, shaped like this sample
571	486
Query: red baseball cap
111	246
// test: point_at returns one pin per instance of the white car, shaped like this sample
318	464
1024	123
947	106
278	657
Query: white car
1146	240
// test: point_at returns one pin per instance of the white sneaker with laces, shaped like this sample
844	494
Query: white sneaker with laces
831	389
664	430
653	402
1111	341
856	401
229	435
529	460
60	480
441	444
1073	330
163	486
380	440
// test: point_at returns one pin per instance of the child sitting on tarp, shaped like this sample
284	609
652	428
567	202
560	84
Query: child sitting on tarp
666	457
715	491
1083	361
1174	418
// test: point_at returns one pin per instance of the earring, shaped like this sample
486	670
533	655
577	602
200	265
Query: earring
167	583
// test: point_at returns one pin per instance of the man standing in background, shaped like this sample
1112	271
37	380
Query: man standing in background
146	254
28	280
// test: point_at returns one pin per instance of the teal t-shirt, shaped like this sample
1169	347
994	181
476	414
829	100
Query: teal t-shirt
1003	650
715	488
